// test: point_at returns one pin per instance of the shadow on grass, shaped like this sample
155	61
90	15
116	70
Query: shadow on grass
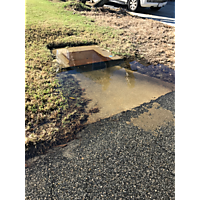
52	46
72	119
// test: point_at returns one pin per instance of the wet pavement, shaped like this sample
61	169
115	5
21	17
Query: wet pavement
113	158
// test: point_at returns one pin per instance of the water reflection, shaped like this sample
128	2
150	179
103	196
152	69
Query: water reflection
113	89
130	79
103	73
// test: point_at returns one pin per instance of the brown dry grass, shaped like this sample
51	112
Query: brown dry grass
143	38
45	105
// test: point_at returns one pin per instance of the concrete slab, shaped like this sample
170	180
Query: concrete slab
83	55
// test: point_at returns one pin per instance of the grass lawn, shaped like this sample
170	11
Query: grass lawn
51	115
52	24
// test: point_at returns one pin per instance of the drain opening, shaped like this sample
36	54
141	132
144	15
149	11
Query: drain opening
83	55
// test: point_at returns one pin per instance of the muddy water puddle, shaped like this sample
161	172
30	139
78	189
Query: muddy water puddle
113	89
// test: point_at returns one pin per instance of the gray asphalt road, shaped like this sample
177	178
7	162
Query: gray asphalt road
167	11
165	15
113	159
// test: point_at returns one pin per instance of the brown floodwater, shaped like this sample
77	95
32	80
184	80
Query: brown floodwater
113	89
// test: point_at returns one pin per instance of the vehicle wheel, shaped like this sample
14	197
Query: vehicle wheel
155	8
133	5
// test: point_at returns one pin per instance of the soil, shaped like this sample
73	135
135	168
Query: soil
153	41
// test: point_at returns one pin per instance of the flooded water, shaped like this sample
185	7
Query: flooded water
113	89
159	71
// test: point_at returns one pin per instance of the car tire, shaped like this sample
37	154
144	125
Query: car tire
134	5
155	8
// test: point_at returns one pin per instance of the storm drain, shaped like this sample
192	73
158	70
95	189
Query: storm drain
84	55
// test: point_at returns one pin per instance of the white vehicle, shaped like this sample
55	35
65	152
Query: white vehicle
134	5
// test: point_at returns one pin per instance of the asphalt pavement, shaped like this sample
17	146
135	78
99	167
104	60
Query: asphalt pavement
165	15
112	159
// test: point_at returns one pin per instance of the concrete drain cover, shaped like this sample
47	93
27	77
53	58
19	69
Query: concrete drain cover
83	55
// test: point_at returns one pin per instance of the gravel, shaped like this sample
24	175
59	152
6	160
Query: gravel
111	159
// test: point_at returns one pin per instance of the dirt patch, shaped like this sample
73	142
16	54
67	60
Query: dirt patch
145	39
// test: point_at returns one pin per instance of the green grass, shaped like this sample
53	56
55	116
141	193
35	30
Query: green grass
44	13
52	24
